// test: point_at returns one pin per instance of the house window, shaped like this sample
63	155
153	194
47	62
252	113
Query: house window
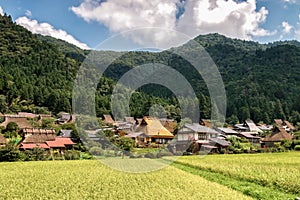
202	136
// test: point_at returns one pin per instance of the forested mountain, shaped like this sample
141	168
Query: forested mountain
262	80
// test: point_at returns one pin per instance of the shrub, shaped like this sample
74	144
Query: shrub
72	155
149	155
297	148
97	151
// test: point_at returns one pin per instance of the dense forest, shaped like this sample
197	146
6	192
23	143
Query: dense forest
261	80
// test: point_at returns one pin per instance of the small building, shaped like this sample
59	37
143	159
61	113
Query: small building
219	143
247	126
279	134
284	124
65	133
227	131
140	138
65	118
108	120
250	136
21	121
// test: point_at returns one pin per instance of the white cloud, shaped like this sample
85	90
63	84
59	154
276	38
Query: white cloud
1	11
286	27
46	29
227	17
297	34
28	13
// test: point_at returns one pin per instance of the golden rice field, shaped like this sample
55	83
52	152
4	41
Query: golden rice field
93	180
277	170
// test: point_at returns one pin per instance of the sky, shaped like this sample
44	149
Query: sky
105	24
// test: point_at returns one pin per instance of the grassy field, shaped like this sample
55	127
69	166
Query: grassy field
259	176
280	171
93	180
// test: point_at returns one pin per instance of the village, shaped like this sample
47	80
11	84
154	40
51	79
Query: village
148	133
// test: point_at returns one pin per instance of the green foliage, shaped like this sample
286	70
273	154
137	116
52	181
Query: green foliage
36	154
125	143
297	147
10	153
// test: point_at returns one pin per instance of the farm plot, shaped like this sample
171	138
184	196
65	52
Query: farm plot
93	180
280	171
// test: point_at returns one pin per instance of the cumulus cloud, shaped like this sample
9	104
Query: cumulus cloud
286	27
46	29
1	11
228	17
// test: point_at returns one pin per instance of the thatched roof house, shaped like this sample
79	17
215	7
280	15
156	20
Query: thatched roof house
21	121
108	120
284	124
43	138
278	135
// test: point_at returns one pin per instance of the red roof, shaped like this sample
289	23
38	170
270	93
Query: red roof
60	142
31	146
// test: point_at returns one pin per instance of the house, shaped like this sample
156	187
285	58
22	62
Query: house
140	138
65	118
169	124
196	132
108	120
219	143
43	138
284	124
227	131
65	133
278	134
3	140
251	136
205	122
21	121
154	130
247	126
130	120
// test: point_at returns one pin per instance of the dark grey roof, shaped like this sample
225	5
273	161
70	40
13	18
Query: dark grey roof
219	141
65	133
227	130
136	134
200	129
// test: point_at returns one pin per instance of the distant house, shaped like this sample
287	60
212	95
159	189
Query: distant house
169	124
21	121
140	138
65	118
196	132
247	126
154	130
65	133
279	134
227	131
220	144
3	140
253	138
108	120
284	124
130	120
43	138
205	122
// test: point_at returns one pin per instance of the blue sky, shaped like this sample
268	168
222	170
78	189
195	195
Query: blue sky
86	23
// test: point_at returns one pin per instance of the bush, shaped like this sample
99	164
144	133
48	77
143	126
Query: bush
72	155
149	155
297	148
97	151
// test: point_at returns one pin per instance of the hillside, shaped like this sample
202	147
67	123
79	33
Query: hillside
261	80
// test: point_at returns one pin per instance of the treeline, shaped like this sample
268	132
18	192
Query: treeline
37	74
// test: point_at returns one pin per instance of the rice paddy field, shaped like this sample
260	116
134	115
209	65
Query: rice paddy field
261	176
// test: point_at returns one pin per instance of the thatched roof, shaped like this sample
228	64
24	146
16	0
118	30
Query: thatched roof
278	135
130	120
168	124
205	122
38	135
153	128
108	119
278	122
289	125
252	126
22	122
2	139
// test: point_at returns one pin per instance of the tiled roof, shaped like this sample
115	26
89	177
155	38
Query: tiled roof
200	129
35	145
60	142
